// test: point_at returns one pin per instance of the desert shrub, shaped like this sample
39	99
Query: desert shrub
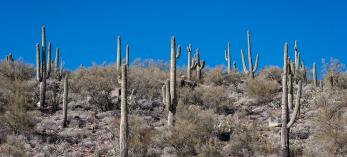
331	136
147	78
214	76
189	96
262	90
272	73
140	136
16	119
16	70
333	73
97	84
248	140
192	134
14	146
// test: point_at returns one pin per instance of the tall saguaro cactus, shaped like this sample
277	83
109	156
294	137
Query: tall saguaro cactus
227	58
65	100
198	64
127	55
190	66
314	75
286	124
124	130
9	58
41	72
49	62
56	62
166	94
250	72
173	94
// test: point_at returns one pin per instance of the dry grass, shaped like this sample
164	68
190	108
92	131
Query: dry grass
262	90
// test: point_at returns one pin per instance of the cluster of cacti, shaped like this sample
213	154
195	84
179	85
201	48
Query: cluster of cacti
9	58
286	124
250	72
119	53
198	64
65	100
124	131
44	66
189	66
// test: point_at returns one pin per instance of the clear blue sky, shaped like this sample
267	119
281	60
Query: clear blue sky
86	30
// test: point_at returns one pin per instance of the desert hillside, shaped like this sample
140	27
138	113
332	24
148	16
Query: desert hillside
214	111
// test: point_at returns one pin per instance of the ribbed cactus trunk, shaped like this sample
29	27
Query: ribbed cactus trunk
284	130
234	67
314	76
127	51
49	62
167	94
65	100
38	63
227	58
123	134
250	72
56	61
173	97
189	66
119	59
290	91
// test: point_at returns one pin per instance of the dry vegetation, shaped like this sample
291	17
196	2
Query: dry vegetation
216	118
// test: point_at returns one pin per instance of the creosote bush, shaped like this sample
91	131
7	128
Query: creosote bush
17	70
262	90
272	73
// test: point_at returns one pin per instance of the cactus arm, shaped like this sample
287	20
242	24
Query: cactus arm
297	106
225	55
38	63
127	55
56	62
49	62
119	57
201	64
256	64
178	52
163	92
244	63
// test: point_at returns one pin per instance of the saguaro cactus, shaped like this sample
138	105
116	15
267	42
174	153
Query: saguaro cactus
190	66
65	100
166	94
198	64
250	72
234	67
173	94
227	58
314	75
9	58
49	62
124	131
286	124
41	67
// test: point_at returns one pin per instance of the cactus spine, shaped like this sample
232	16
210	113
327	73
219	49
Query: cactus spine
198	64
286	124
119	59
65	99
227	58
314	72
250	72
123	133
173	94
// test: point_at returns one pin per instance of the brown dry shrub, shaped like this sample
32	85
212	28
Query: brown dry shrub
262	90
272	73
